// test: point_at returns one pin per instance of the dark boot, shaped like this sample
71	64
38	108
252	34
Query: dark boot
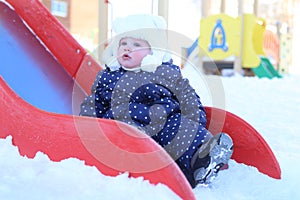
211	157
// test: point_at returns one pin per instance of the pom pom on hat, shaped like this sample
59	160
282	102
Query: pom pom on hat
146	27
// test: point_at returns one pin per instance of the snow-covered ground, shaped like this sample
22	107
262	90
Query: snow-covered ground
271	106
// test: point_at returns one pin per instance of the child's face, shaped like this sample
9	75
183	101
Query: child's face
131	52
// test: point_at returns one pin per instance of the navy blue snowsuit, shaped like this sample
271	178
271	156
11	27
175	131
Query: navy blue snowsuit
162	103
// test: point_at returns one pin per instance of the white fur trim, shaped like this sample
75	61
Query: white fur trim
150	63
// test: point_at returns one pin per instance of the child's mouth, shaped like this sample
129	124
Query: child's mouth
126	57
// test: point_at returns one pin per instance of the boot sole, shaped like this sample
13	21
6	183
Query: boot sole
221	149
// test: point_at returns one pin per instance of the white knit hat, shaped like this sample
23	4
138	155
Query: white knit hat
146	27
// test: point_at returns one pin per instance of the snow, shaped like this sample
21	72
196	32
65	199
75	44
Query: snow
40	178
271	106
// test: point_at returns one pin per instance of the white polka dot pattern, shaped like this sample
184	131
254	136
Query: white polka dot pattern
162	103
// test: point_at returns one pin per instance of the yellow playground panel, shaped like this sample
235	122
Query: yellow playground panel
221	37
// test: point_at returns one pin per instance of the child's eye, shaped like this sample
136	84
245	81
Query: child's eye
123	43
137	44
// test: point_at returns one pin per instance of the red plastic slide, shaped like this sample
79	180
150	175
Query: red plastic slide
45	74
111	146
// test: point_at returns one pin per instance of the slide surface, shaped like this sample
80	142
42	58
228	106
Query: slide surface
45	74
29	69
266	69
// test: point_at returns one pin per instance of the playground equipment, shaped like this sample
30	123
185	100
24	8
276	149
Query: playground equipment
45	75
222	37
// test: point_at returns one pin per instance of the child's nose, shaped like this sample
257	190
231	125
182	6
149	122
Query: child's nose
127	48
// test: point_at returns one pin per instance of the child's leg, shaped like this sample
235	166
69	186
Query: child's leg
184	162
211	157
